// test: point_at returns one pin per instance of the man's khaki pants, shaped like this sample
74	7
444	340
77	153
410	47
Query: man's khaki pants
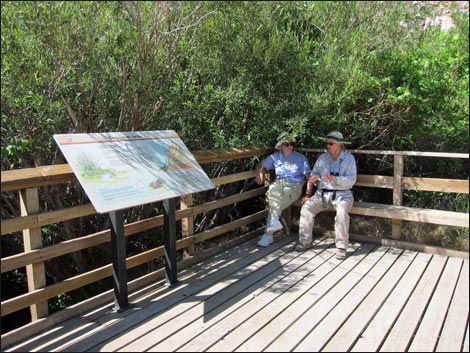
342	203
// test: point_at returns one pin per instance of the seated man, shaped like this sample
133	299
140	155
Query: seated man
292	170
336	172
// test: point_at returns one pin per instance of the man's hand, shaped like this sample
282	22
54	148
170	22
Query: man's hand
330	177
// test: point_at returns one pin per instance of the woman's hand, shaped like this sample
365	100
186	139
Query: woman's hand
313	179
260	177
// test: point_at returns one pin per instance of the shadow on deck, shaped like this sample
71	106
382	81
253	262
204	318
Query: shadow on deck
275	299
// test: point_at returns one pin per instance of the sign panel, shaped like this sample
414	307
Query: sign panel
118	170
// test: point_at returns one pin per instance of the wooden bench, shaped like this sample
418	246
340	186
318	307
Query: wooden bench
449	218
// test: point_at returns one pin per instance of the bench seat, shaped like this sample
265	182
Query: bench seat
404	213
449	218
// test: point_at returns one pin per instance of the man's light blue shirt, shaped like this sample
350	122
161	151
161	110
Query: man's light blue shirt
344	165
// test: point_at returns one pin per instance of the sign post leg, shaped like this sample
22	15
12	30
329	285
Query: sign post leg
119	260
169	234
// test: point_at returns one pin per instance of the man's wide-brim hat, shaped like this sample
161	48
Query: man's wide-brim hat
335	137
284	137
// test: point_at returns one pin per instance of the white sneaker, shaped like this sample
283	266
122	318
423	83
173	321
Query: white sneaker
341	254
266	240
274	225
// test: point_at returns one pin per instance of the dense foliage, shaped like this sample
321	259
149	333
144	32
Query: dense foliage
232	73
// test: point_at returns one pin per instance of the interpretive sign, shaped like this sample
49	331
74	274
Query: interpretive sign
118	170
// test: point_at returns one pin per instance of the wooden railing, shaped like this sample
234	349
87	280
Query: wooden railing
27	183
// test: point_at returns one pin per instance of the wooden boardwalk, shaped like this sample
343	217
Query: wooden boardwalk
275	299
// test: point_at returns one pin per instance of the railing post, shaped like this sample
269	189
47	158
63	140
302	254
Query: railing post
187	224
268	178
32	239
397	192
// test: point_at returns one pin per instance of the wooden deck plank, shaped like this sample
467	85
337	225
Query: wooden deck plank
150	331
54	334
359	306
47	340
228	322
261	299
466	341
453	333
323	298
112	323
269	291
273	328
254	334
373	336
427	335
229	295
266	306
403	330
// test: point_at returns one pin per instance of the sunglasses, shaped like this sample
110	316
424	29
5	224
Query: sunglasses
330	143
287	144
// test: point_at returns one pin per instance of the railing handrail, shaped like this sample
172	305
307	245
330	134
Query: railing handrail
393	153
17	179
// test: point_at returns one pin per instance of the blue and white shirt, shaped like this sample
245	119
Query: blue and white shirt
344	168
293	167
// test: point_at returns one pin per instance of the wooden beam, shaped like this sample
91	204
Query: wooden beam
436	185
211	233
225	154
456	219
234	177
32	240
429	249
374	181
45	218
398	165
18	179
393	153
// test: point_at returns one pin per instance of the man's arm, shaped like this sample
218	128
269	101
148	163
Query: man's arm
348	177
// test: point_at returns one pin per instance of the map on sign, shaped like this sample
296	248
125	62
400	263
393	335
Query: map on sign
118	170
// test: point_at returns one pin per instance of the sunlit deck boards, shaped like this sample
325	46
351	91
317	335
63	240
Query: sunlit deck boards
275	299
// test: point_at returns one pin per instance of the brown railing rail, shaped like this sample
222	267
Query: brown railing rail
27	183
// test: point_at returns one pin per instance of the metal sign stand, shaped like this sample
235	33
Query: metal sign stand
121	301
118	247
169	235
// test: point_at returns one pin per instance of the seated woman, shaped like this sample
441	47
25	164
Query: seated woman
292	171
